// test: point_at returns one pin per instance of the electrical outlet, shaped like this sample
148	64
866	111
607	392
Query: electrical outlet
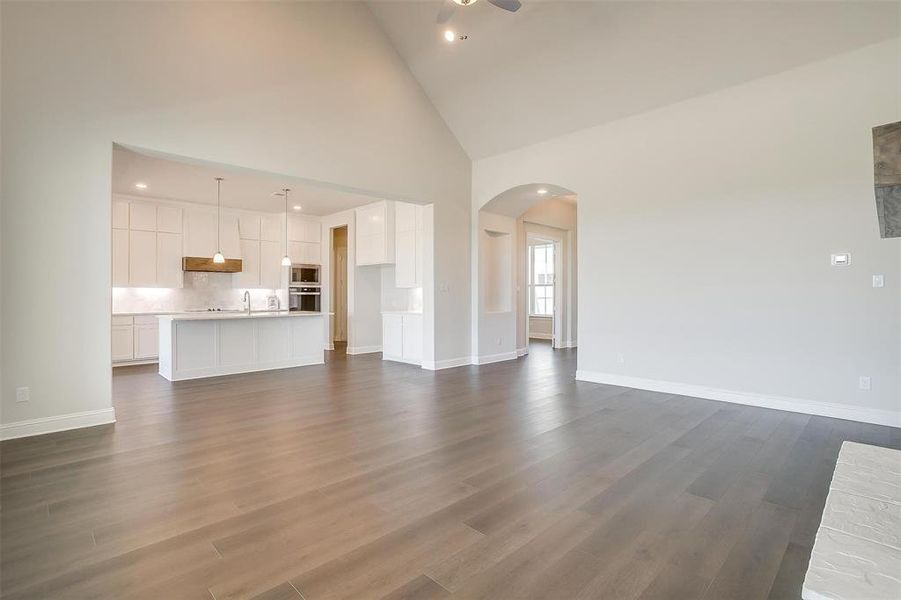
499	341
864	383
878	281
621	358
22	394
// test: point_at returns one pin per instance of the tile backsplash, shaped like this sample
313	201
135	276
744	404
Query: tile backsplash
201	290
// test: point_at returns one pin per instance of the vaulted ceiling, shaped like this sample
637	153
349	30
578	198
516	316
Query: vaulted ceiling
556	67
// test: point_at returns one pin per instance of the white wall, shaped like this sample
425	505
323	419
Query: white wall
705	230
312	90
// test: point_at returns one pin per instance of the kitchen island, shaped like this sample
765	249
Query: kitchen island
208	344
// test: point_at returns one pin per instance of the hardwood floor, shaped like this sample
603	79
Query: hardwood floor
367	479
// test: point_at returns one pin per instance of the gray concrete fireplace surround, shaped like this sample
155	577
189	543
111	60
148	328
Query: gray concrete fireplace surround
887	167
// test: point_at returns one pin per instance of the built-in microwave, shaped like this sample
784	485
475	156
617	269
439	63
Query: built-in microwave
307	299
305	275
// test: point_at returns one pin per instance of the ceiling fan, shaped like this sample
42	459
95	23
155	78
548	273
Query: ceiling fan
449	6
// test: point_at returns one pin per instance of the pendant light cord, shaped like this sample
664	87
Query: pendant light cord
286	220
218	214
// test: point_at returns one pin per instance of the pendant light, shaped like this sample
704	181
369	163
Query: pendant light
218	258
286	260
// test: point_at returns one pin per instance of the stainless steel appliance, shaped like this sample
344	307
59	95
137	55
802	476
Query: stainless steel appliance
304	298
305	275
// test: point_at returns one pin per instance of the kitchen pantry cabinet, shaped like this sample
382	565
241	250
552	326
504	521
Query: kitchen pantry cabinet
402	337
408	242
375	234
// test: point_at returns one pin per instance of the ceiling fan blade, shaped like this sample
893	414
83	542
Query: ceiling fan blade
511	5
447	10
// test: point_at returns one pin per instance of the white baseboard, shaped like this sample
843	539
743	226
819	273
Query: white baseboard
90	418
401	359
493	358
133	363
541	336
449	363
330	346
798	405
568	344
363	349
522	351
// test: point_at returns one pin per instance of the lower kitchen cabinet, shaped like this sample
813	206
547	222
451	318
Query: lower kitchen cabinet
134	338
402	337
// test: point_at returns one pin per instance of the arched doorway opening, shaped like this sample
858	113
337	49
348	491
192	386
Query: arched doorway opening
525	275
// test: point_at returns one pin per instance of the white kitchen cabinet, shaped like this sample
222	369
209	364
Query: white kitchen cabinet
142	216
122	339
200	232
169	253
270	265
301	229
412	338
375	234
272	228
305	253
408	241
142	258
249	227
120	214
120	257
146	337
230	238
402	337
249	277
168	219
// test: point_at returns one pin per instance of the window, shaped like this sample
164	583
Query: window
541	279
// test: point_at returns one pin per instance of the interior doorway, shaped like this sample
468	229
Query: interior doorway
339	288
542	288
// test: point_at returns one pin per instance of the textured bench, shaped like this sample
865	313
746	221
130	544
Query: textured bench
857	553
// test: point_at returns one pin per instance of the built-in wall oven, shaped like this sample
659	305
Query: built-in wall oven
305	275
305	298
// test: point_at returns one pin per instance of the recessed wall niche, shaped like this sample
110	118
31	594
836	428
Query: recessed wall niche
497	270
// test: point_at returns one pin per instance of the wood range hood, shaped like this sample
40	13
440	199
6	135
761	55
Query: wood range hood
206	265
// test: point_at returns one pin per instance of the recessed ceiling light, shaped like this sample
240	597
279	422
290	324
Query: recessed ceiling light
141	186
297	207
542	191
449	35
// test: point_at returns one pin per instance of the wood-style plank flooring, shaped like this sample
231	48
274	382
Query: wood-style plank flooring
369	479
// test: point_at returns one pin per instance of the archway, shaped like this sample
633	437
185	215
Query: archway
511	297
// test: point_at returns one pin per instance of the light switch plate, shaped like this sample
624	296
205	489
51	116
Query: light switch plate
22	394
841	259
865	383
878	281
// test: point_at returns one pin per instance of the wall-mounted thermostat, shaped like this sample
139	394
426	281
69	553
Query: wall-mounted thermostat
842	259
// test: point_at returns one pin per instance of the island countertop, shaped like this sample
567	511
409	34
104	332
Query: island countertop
221	315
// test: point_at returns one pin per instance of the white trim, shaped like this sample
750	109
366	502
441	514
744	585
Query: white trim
522	351
401	359
568	344
221	370
132	363
90	418
493	358
540	336
330	346
449	363
798	405
363	349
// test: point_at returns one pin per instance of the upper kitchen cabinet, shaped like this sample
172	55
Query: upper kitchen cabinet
120	214
146	245
142	216
272	228
304	240
408	241
375	233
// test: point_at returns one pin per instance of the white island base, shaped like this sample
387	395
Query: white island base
210	344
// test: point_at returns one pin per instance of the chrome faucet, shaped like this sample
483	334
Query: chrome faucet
247	300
